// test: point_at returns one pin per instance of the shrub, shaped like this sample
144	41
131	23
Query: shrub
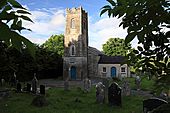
39	101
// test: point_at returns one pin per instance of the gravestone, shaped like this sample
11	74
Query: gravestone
151	104
87	84
126	87
13	80
163	96
100	93
106	84
18	87
42	89
114	95
138	82
2	82
66	84
28	87
34	84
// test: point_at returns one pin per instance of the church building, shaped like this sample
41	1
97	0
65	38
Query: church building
80	60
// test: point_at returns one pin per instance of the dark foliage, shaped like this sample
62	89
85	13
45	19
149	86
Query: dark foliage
149	22
46	64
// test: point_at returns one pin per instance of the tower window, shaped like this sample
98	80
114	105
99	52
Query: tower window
72	23
72	50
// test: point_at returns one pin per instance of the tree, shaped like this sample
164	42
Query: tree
116	47
12	15
49	63
55	43
46	64
148	20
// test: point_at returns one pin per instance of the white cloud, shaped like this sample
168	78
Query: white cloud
58	18
36	39
46	23
52	21
103	29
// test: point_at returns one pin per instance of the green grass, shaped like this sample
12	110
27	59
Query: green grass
145	83
61	101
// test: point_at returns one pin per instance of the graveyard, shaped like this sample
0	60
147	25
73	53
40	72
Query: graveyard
100	57
75	100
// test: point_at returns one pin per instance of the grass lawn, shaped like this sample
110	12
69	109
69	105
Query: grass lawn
145	83
61	101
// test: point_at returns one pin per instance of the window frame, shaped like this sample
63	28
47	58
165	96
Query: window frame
104	70
73	23
72	50
123	69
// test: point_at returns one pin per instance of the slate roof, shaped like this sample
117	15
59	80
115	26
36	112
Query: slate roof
111	59
95	51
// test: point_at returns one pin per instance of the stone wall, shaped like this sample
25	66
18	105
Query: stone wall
79	63
76	35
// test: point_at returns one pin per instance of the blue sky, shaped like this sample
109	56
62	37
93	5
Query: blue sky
49	19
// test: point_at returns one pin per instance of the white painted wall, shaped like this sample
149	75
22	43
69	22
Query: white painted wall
118	70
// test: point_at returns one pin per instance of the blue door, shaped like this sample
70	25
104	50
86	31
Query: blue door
113	72
73	73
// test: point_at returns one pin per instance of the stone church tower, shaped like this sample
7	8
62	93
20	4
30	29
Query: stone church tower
75	44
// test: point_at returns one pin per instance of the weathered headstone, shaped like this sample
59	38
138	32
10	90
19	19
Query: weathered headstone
114	95
2	82
126	87
150	104
138	82
87	84
163	96
66	84
18	87
13	81
42	89
106	84
34	84
100	93
28	87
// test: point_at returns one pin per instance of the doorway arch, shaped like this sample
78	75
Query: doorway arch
73	72
113	71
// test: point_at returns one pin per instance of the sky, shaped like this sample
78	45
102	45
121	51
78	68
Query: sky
49	19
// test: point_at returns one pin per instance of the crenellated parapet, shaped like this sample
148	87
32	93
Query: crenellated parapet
75	10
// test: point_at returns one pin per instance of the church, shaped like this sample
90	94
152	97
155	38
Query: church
80	60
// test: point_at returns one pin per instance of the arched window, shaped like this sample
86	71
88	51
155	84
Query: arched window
72	23
72	50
